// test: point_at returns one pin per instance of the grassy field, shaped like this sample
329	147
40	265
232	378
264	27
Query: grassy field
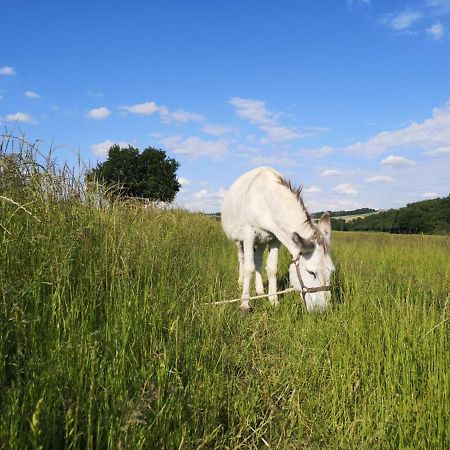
352	217
107	339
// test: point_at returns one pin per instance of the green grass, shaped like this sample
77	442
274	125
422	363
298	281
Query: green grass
107	339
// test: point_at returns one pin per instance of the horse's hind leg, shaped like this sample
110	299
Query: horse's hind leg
248	268
240	246
259	251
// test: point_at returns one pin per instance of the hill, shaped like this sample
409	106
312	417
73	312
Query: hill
353	212
427	216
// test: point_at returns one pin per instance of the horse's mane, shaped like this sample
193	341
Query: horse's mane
297	191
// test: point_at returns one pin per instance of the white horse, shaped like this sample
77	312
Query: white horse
261	209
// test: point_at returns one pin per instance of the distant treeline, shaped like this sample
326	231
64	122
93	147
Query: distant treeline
353	212
428	216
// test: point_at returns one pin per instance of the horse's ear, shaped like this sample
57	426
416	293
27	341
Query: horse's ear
325	225
305	245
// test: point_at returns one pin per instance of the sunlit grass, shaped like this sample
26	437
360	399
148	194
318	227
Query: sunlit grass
107	339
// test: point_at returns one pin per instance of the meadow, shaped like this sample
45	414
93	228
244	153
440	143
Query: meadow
107	338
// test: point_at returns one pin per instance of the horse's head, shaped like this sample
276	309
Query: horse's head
315	265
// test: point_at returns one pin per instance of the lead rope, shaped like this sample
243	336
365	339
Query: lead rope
223	302
304	289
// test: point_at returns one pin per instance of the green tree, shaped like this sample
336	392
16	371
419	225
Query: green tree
150	174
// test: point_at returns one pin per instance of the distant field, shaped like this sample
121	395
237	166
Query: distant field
349	218
107	339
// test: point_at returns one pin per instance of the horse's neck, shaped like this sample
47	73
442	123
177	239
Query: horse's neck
291	217
295	218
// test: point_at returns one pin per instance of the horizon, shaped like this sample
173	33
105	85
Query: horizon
350	99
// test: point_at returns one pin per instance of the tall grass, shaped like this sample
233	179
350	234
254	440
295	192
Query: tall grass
107	339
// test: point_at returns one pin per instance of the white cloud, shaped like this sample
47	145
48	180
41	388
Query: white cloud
436	31
180	116
31	94
101	149
403	20
253	110
317	152
312	189
312	131
245	151
94	94
346	189
346	204
380	179
167	116
267	121
99	113
440	6
184	181
356	3
20	117
278	133
143	109
397	161
431	175
429	134
430	195
427	175
203	200
195	146
330	173
440	151
201	194
7	70
281	161
217	130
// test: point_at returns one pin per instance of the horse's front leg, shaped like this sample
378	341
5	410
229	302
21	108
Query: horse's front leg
259	286
272	268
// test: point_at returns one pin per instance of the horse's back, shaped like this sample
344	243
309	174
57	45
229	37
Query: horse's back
244	201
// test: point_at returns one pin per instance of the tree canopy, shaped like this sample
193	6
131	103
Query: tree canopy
149	174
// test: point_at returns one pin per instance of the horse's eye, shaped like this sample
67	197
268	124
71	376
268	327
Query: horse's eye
312	273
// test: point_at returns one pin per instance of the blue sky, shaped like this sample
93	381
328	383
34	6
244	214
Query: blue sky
350	98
